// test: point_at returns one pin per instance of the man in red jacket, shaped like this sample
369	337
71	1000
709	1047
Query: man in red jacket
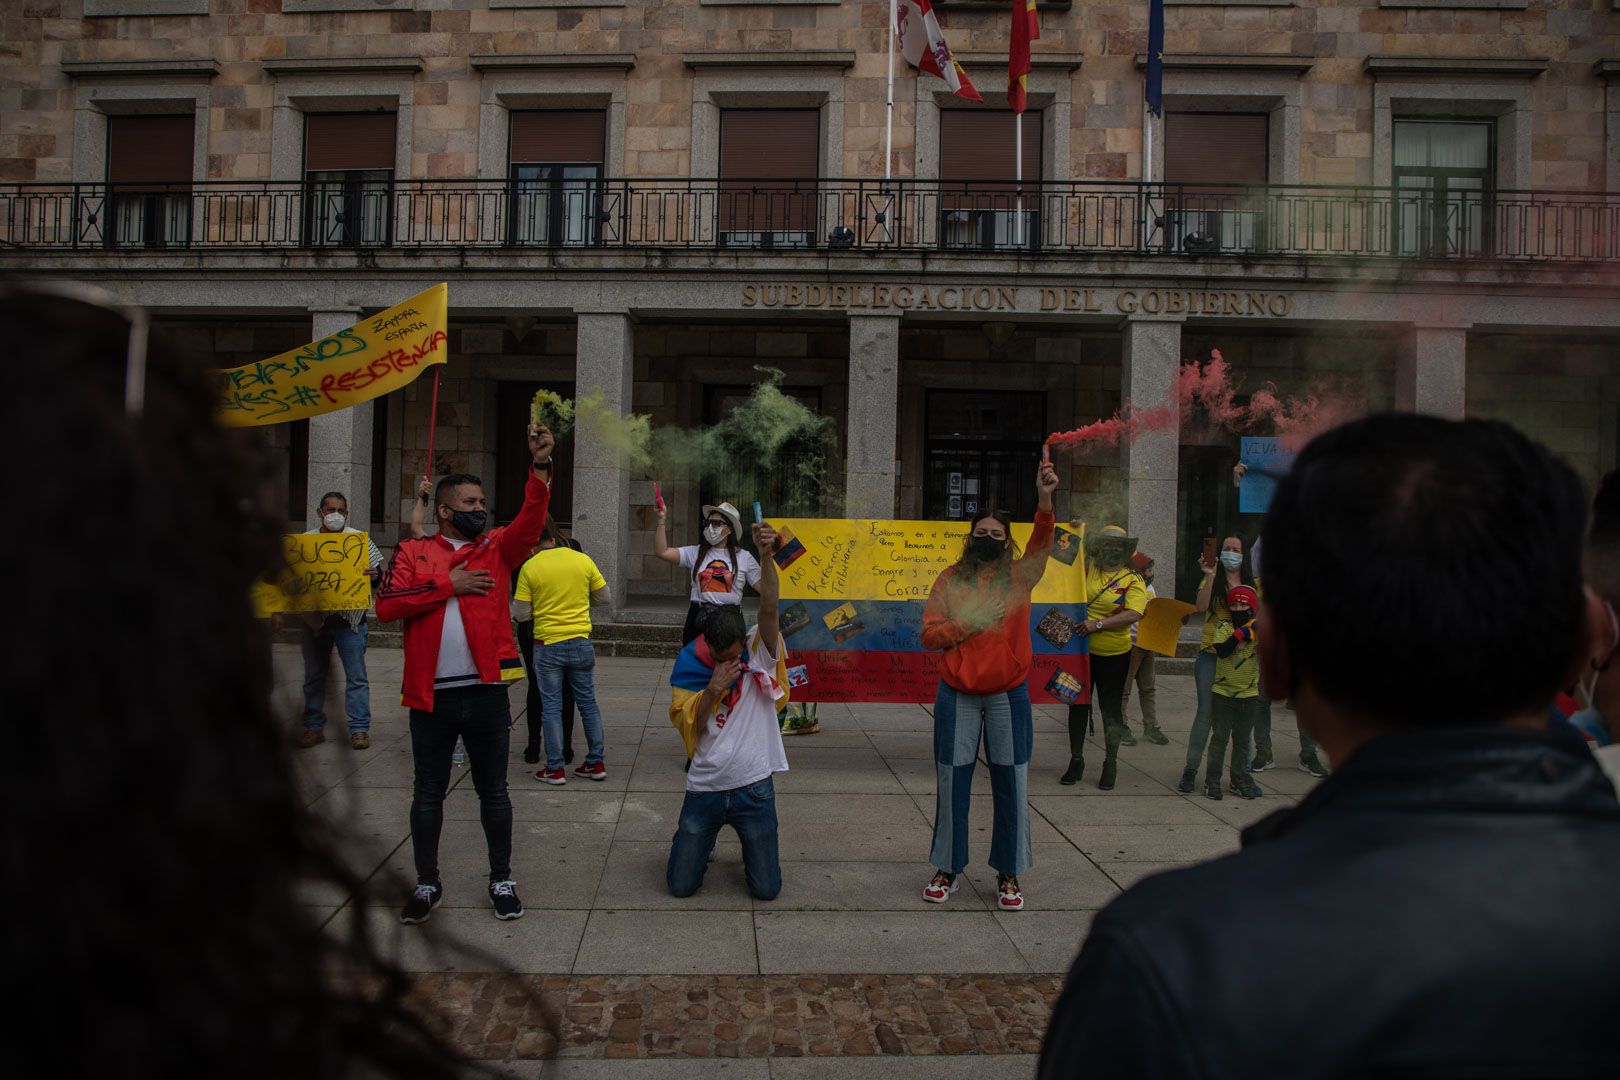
459	656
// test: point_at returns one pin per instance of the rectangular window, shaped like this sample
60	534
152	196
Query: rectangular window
980	204
1215	169
769	162
556	171
1443	176
149	174
349	178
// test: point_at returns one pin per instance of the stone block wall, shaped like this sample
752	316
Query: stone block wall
1336	94
1563	391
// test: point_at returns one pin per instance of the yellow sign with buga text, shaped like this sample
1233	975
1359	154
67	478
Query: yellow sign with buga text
324	572
375	356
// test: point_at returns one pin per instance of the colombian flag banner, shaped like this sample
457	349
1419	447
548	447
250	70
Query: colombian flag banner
853	594
373	357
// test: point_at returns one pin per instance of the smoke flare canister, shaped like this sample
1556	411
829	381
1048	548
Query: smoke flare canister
759	515
658	496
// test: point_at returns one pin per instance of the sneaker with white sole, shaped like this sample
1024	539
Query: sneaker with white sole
1009	897
940	888
592	772
419	908
503	895
558	777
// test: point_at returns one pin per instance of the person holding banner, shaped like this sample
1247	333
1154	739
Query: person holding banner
719	567
459	656
345	631
1115	600
977	618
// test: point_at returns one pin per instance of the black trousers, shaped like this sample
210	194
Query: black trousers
480	716
1230	719
531	714
1108	676
690	630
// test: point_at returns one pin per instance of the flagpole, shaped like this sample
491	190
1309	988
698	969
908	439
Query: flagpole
888	124
1018	175
1147	145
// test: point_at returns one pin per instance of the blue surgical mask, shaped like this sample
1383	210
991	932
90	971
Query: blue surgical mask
1231	559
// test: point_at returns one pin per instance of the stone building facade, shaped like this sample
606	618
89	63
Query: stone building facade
945	321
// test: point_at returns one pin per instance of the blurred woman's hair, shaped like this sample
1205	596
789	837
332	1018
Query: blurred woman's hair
152	811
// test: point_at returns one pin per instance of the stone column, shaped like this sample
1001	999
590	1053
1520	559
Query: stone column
604	363
1150	463
874	408
1432	377
340	442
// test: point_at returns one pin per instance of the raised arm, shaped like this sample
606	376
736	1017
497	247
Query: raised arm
1031	566
424	492
520	537
1207	588
661	546
770	589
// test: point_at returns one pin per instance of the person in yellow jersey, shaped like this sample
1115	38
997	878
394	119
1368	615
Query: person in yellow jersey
1116	596
556	588
1235	695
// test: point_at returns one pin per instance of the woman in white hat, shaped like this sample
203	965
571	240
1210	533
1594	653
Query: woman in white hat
719	567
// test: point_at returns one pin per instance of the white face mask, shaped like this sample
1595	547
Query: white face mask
1590	720
334	521
714	534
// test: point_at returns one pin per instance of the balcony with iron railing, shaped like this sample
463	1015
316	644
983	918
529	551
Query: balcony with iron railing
1048	218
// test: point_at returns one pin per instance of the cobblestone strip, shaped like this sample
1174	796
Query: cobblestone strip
495	1016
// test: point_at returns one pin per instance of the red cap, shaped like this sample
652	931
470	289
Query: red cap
1242	596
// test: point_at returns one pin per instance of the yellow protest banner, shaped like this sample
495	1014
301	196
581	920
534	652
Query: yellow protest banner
1160	627
373	357
325	572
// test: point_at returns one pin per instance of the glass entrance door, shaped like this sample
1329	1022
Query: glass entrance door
982	452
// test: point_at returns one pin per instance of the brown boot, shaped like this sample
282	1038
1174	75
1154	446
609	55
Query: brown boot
359	740
310	737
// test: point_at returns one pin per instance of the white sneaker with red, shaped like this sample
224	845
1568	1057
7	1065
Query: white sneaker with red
1009	897
939	890
592	772
552	776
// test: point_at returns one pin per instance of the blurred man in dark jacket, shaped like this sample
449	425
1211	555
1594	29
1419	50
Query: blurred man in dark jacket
1447	904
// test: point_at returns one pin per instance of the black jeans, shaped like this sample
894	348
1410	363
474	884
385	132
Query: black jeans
570	717
1108	675
1230	719
690	630
483	720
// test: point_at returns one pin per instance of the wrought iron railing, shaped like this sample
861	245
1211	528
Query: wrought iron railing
1078	217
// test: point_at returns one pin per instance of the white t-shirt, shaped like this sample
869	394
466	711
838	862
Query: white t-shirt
719	581
1151	595
742	744
455	667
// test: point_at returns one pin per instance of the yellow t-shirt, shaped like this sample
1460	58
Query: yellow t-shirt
558	584
1216	615
1109	592
1237	675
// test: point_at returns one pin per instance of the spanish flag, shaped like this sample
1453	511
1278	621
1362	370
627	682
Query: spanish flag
1026	27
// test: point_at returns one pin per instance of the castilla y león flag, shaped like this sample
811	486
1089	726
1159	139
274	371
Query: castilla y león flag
922	43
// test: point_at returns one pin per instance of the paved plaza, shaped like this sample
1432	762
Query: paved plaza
847	962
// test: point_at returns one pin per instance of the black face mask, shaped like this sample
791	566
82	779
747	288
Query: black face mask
986	548
470	523
1242	618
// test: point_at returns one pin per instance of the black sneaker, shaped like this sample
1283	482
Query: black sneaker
1156	735
1126	738
1212	790
1248	789
503	894
419	908
1262	761
531	755
1189	780
1312	764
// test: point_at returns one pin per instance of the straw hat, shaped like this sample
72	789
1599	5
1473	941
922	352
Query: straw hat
1111	533
729	512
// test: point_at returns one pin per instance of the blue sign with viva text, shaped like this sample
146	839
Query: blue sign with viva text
1266	462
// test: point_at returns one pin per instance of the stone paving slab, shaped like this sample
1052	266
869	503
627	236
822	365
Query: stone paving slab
843	967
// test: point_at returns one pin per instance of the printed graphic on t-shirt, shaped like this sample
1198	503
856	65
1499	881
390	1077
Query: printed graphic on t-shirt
716	576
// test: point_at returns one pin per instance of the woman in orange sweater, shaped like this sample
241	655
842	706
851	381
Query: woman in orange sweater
978	618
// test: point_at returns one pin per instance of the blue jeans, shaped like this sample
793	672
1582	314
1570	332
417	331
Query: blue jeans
751	811
1007	729
351	649
1204	680
574	660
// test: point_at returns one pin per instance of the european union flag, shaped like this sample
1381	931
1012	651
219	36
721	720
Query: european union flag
1155	57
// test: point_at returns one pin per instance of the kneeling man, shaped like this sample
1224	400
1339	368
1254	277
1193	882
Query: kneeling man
726	688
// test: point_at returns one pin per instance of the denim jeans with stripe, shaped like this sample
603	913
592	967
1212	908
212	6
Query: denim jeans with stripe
1005	726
